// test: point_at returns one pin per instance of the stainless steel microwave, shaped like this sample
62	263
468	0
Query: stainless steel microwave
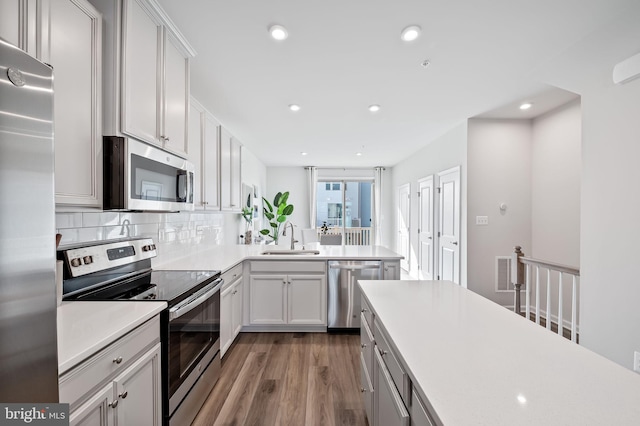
138	176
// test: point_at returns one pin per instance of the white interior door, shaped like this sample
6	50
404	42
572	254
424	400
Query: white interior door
426	253
449	225
403	215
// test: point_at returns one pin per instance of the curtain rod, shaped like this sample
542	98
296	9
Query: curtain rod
346	168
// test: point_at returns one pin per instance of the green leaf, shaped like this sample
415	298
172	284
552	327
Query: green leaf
269	205
265	231
274	225
281	208
281	219
269	215
276	199
288	210
284	198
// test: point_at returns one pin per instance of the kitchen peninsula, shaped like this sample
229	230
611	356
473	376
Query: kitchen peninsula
457	358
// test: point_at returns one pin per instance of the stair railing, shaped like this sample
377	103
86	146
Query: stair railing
523	269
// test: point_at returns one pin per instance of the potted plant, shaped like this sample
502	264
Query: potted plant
276	214
247	214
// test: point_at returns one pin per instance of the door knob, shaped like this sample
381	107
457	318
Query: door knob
455	243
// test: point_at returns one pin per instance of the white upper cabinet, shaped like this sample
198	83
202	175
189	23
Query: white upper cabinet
176	96
141	83
12	21
204	151
146	74
230	177
71	42
155	81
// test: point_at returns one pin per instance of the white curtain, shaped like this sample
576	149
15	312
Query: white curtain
377	205
312	182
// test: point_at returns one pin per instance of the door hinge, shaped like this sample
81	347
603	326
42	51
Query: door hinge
438	277
438	233
418	230
418	193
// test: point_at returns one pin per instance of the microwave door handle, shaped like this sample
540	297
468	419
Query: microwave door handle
186	307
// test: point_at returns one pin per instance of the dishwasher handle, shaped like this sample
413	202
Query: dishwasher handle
354	267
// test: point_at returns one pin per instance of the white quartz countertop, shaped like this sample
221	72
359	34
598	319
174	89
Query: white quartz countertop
223	257
476	363
84	328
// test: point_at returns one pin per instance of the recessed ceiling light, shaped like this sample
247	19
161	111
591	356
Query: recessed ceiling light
294	107
278	32
358	154
410	33
374	108
303	153
526	105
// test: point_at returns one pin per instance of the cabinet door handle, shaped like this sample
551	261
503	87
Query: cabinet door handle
363	390
118	360
455	243
124	394
363	310
114	404
383	352
363	345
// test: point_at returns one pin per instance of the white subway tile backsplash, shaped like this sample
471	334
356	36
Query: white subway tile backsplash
140	218
68	220
100	219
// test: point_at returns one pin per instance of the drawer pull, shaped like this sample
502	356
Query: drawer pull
363	345
383	352
363	390
124	394
114	404
364	310
118	360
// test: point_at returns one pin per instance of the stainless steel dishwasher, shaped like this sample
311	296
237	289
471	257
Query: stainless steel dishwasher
343	299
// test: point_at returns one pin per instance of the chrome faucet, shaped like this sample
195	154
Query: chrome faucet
284	234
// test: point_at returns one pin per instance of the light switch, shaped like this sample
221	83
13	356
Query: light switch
482	220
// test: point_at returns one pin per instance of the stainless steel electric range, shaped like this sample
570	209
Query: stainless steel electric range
190	326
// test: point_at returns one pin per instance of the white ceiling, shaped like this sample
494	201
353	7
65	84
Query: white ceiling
343	55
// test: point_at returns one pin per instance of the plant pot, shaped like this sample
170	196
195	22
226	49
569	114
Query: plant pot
248	239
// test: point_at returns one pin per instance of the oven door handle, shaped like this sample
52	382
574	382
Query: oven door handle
198	298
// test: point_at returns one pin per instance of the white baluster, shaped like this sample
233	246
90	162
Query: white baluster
574	310
537	295
548	299
560	303
527	296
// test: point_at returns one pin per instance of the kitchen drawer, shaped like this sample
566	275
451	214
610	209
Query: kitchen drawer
287	267
104	365
366	388
400	378
230	275
419	414
366	310
366	344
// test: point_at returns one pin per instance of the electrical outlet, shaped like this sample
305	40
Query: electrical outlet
636	362
482	220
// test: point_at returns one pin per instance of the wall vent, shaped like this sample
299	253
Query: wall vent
503	274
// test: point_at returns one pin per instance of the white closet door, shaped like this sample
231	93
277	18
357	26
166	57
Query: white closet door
404	216
449	225
426	253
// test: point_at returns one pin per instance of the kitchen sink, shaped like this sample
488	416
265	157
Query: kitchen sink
291	252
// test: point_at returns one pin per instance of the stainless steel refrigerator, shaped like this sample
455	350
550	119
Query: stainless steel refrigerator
28	342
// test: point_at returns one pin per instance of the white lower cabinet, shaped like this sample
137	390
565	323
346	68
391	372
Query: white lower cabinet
391	269
389	410
120	385
288	293
231	302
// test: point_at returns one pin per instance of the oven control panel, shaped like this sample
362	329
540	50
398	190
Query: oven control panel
86	260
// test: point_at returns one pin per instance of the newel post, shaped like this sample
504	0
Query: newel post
517	276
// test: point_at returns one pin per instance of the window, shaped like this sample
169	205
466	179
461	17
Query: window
347	209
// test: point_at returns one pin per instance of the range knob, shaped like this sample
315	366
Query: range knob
76	262
148	247
87	260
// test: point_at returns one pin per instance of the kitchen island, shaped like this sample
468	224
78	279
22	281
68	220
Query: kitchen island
472	362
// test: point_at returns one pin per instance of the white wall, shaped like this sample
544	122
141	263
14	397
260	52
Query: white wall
610	201
449	150
555	190
254	173
294	180
499	171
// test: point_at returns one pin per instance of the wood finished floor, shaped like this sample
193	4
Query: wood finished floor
297	379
